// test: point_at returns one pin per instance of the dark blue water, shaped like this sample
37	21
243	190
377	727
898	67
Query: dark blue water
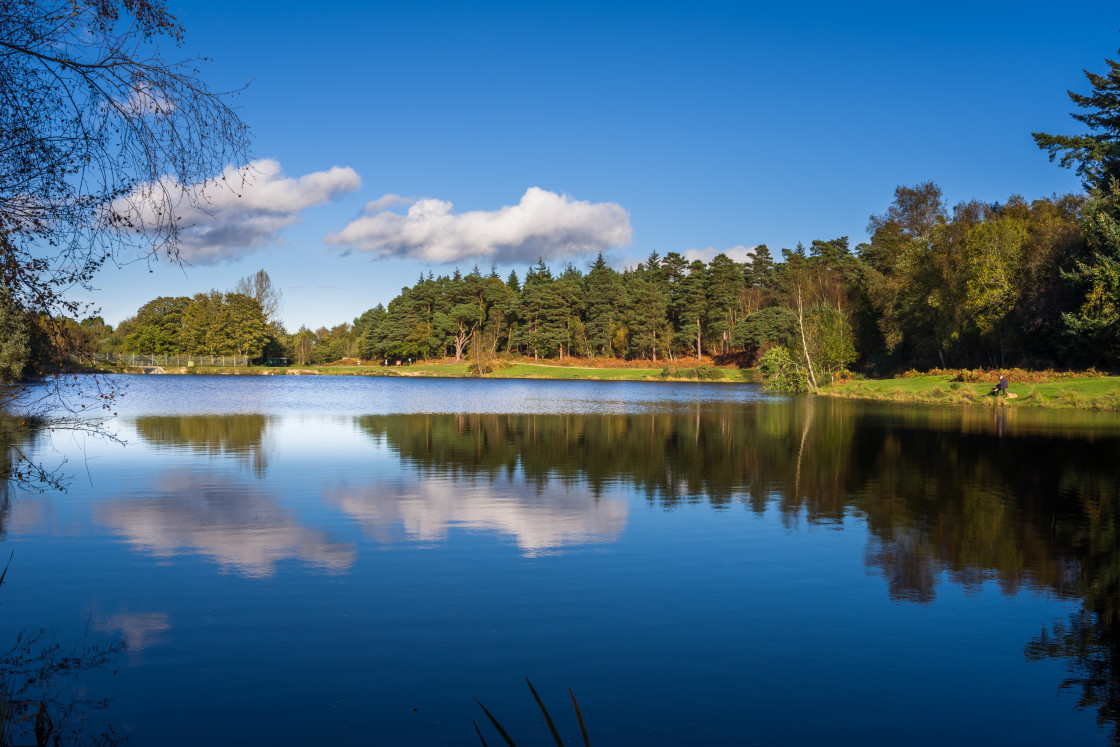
298	560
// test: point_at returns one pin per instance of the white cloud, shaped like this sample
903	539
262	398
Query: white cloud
144	101
239	526
242	210
542	224
738	253
384	202
553	518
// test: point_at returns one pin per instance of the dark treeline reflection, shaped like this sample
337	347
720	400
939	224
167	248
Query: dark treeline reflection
240	436
1027	500
15	441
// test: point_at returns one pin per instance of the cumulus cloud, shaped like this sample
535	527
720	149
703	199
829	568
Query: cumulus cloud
542	224
384	202
738	253
242	210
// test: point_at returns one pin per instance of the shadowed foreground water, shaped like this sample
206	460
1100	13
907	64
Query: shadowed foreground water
356	559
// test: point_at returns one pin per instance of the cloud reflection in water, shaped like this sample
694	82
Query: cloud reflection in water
541	521
236	524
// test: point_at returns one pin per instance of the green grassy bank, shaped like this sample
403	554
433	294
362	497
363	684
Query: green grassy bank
1091	392
1081	392
518	370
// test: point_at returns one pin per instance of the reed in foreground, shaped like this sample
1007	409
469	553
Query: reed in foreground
547	717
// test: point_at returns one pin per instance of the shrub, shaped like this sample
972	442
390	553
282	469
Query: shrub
708	372
966	375
780	373
703	372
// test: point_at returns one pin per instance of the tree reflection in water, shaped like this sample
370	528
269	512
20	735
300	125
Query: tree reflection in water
240	436
1028	501
1025	500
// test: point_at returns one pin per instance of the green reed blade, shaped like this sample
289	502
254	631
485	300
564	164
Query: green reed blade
479	732
547	718
5	571
494	721
579	717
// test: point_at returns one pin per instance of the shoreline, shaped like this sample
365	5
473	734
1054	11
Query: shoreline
461	370
1082	392
1079	392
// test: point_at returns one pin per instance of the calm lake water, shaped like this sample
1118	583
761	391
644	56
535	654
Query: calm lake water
334	560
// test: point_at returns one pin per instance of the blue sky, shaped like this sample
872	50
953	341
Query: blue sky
624	127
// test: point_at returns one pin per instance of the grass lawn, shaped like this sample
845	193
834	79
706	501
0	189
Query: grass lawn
1088	392
1083	392
545	371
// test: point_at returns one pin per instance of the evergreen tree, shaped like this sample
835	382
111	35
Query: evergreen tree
1095	326
1095	156
571	291
604	303
645	316
368	329
725	282
688	305
542	312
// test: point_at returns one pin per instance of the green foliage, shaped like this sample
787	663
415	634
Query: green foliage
211	323
781	373
645	317
1095	156
15	350
247	329
158	327
605	301
1095	326
829	341
773	326
703	372
994	251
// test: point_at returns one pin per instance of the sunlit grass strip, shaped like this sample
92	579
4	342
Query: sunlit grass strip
547	717
1087	393
519	370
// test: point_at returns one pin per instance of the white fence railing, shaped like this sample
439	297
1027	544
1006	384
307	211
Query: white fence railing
141	359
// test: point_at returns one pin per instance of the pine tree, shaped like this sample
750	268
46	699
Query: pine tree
604	303
689	306
1095	156
725	283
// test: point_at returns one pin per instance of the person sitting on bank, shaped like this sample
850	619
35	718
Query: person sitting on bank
1001	387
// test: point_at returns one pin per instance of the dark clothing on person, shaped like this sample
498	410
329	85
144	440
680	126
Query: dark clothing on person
1001	386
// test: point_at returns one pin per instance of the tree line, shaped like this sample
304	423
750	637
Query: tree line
973	285
1026	283
1023	283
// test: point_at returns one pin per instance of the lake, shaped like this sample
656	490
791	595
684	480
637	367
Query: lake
313	560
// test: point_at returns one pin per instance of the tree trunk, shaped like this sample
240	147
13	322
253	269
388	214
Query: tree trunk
804	343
